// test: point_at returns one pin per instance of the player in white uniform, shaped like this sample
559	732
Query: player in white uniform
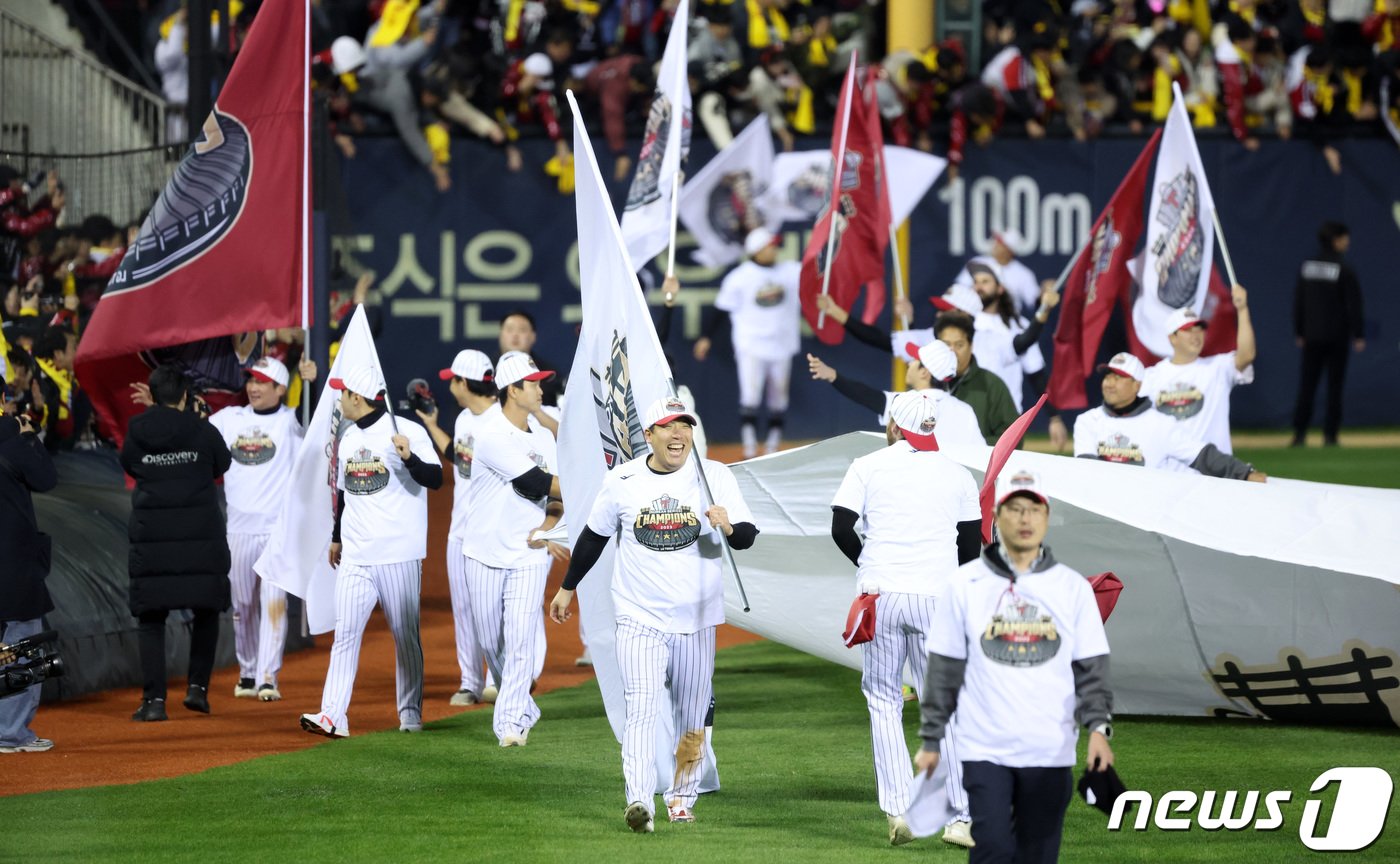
1017	649
384	469
514	493
919	520
668	591
1195	390
761	297
1020	282
263	437
928	371
472	385
1125	429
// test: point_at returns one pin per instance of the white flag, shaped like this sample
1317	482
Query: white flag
295	558
720	205
619	369
646	218
802	181
1174	268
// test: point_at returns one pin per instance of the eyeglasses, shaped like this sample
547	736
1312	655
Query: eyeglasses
1018	511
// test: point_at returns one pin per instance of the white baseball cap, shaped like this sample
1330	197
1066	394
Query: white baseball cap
517	366
347	55
470	364
666	410
757	240
538	65
1183	318
936	357
269	369
1022	482
915	412
362	380
962	298
1126	365
1010	238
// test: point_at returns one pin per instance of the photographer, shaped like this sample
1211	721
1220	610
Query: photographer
25	467
179	556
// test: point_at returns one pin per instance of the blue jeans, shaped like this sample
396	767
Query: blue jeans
17	712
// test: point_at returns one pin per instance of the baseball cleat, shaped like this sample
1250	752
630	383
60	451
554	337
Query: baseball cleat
245	689
638	819
959	833
465	697
584	659
899	831
320	724
515	740
679	814
488	694
38	745
269	693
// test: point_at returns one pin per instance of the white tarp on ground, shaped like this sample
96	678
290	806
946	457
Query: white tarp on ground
1278	599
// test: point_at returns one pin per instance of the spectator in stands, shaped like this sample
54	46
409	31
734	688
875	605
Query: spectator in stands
1182	58
1382	29
21	220
179	556
909	97
1318	98
402	38
1251	81
1328	323
25	468
716	68
528	98
1304	25
976	113
1025	79
173	64
53	355
620	85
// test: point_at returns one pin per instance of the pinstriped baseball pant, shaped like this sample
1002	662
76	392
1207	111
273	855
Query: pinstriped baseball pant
259	612
508	611
469	656
901	630
651	659
395	587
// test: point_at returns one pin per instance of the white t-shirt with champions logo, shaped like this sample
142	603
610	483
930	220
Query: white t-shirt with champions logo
386	511
1197	394
1148	439
263	447
764	308
500	519
669	574
463	450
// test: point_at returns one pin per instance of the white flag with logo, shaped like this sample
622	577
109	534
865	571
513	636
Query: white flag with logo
296	556
646	217
619	369
802	182
1174	268
722	203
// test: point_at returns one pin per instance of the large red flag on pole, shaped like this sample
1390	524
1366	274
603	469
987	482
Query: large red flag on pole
847	246
223	251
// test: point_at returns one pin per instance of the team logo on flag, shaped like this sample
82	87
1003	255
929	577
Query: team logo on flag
462	456
365	473
618	423
1179	253
1120	448
731	210
811	191
254	447
1181	401
1020	636
667	525
1103	245
198	207
839	222
646	184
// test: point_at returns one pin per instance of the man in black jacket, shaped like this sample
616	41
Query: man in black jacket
179	556
1328	324
25	467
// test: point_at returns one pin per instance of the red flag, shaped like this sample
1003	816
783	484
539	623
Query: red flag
1106	587
221	251
1100	279
1009	441
862	206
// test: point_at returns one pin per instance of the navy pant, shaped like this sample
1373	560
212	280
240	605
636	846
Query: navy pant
204	640
1319	357
1017	813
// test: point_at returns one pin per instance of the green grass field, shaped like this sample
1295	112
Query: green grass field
793	741
1379	466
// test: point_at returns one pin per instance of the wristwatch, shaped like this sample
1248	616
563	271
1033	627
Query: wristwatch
1104	729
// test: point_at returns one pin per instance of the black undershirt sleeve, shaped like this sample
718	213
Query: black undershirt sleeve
424	474
744	535
969	540
1022	342
868	333
339	511
586	551
717	318
533	484
860	393
843	531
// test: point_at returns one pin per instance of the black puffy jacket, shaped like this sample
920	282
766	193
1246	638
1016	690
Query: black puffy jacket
25	467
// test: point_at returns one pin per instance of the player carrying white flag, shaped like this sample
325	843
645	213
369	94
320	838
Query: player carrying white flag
649	216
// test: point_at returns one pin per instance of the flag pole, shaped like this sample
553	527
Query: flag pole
1224	250
675	217
306	208
836	182
898	274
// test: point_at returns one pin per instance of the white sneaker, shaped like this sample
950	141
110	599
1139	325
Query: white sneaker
638	819
245	689
320	724
899	831
464	697
959	833
38	745
488	693
584	659
516	740
269	693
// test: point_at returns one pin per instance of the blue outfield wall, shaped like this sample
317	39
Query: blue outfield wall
451	265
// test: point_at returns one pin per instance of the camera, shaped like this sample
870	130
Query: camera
43	662
420	398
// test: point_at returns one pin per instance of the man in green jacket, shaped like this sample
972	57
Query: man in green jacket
982	390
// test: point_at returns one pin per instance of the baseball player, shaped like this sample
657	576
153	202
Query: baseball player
1017	659
760	295
668	591
1195	390
514	493
263	437
931	368
1020	282
1125	429
472	384
906	563
384	469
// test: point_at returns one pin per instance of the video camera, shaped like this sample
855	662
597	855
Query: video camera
420	398
29	661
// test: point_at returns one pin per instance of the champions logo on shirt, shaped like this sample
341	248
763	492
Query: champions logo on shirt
462	457
666	525
365	473
253	447
1120	448
1181	400
1020	636
769	295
